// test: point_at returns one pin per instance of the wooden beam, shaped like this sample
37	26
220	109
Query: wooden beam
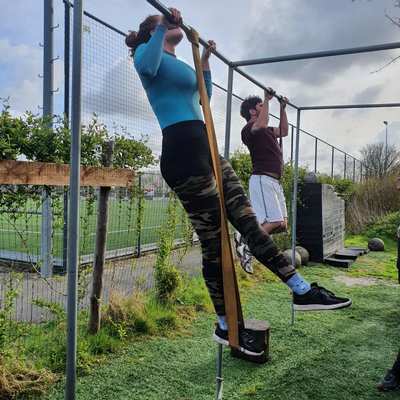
49	174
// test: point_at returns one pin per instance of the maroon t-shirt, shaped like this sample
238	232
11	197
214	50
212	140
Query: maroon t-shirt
266	154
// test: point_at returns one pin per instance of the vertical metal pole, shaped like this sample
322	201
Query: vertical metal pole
294	199
219	379
345	166
139	238
67	42
67	50
316	155
291	146
48	79
48	72
333	161
228	114
354	169
73	223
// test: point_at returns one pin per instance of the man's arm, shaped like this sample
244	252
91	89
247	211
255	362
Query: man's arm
283	129
263	118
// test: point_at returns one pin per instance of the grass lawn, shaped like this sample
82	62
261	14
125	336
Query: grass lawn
325	355
121	229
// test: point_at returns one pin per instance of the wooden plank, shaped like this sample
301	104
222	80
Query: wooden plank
37	173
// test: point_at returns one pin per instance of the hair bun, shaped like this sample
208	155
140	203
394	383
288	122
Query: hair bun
131	39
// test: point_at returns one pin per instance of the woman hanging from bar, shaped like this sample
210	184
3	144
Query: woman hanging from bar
171	88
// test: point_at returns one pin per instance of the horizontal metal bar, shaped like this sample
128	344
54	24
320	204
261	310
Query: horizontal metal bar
319	54
349	106
165	11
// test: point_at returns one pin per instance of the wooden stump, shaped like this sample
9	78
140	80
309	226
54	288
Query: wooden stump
261	332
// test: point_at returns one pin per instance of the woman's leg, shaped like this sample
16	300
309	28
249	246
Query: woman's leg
199	197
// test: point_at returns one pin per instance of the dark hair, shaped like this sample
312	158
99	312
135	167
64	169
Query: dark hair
134	39
249	103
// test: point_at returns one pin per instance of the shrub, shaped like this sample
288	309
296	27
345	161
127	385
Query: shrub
385	226
371	201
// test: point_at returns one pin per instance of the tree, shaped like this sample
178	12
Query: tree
375	162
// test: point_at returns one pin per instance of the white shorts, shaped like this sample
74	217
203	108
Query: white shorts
267	199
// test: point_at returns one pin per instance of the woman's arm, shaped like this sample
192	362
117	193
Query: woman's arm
148	56
205	57
208	81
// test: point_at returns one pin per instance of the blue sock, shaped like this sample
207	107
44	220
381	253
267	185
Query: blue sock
298	284
222	322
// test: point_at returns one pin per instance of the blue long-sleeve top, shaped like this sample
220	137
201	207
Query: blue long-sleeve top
170	84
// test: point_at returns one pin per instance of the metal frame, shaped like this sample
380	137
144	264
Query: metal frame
46	261
73	238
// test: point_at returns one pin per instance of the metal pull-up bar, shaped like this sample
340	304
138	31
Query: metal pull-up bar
166	11
319	54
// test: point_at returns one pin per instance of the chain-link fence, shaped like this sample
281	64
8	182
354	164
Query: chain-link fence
113	95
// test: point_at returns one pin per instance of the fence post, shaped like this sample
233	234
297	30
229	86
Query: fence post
67	44
228	114
46	257
291	146
139	221
294	196
345	166
354	169
361	172
316	155
100	249
332	161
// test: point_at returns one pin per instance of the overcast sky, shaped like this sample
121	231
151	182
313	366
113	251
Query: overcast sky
242	30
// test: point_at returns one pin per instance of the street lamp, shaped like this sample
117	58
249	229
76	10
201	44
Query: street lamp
386	145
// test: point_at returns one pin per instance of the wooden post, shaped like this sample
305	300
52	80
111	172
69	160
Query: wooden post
100	249
233	306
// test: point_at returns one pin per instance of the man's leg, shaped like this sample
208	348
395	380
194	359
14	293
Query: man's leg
242	217
268	201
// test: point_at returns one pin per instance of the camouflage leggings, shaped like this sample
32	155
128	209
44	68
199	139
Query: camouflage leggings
199	197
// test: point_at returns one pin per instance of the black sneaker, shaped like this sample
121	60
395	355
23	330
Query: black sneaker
319	298
247	342
391	381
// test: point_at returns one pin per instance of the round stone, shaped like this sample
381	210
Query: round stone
304	255
376	244
288	257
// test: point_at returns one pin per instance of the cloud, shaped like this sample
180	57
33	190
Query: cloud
20	65
297	26
368	95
